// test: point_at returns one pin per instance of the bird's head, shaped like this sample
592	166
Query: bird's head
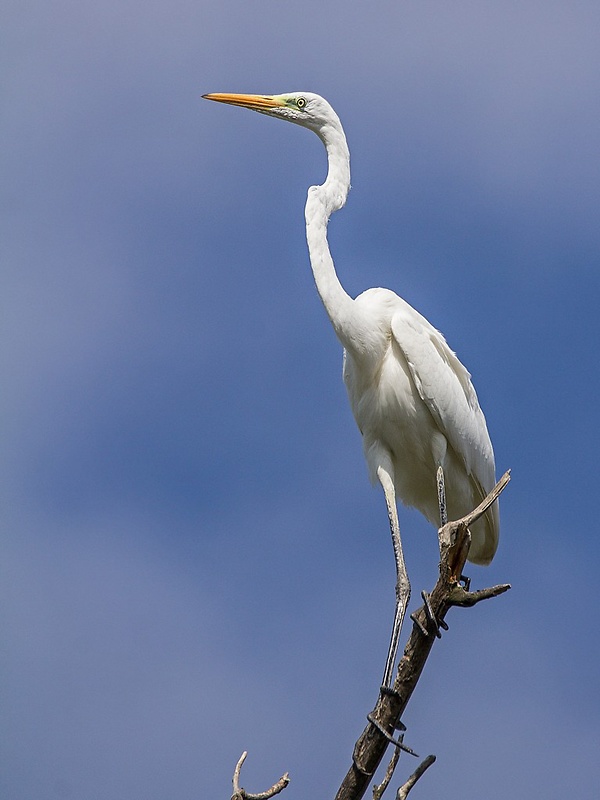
304	108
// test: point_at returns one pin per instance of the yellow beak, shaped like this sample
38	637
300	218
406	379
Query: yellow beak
257	102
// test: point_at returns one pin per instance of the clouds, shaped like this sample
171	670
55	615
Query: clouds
191	540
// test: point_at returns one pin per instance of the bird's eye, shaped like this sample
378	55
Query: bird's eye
301	102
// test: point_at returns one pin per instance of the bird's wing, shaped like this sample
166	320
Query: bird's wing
444	385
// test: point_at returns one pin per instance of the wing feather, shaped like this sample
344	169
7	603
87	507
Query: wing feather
445	386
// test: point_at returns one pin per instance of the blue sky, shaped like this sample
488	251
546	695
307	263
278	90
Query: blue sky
194	561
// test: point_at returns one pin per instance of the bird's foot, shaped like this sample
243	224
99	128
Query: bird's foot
466	582
396	742
360	766
388	691
435	623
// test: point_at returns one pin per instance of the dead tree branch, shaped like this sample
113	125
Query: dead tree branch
384	720
242	794
454	541
403	791
379	790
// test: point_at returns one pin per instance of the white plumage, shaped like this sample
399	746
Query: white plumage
412	399
414	402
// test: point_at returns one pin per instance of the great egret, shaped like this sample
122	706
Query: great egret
412	399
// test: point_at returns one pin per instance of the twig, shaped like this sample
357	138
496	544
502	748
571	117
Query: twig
379	790
460	597
242	794
403	791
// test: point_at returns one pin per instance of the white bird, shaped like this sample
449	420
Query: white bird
412	399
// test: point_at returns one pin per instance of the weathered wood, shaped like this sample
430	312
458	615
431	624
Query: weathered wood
239	793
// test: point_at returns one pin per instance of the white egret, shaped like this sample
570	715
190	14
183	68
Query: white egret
412	399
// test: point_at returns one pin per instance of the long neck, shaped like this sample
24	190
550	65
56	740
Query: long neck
321	203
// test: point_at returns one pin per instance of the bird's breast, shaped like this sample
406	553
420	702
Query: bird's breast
388	409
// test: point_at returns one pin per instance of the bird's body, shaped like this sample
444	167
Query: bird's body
412	399
414	402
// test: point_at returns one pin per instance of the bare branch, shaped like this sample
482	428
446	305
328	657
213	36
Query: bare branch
242	794
403	791
379	790
460	597
384	720
454	541
489	500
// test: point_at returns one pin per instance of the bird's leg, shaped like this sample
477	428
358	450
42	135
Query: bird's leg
441	490
441	493
437	624
402	582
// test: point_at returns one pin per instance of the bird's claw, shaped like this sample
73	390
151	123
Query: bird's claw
396	742
419	624
437	624
387	691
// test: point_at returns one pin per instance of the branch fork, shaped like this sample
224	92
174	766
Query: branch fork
242	794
